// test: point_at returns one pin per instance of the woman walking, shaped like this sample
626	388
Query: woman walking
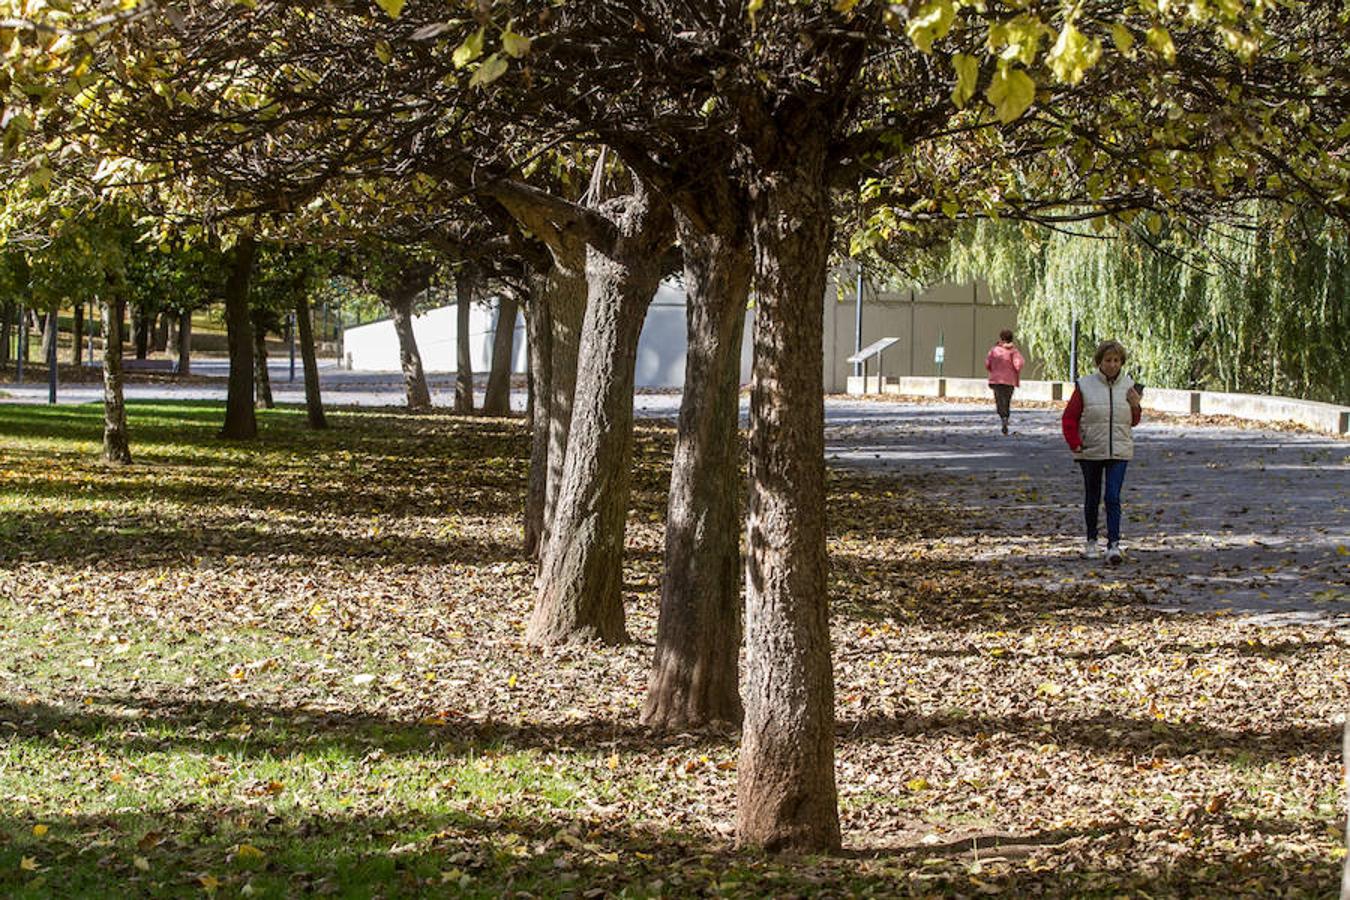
1098	426
1004	364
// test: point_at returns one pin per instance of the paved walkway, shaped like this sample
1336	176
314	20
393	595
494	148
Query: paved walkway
1256	521
1249	520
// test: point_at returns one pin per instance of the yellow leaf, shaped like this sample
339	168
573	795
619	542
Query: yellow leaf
393	7
1342	550
384	51
1049	689
932	22
467	52
1011	92
1161	41
1123	39
511	682
613	761
209	883
249	852
967	75
1073	54
517	45
493	67
141	863
917	784
40	830
28	864
843	6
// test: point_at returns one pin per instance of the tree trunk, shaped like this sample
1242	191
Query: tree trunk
313	402
466	285
240	421
539	343
6	327
497	398
182	362
77	334
694	679
49	330
160	341
786	791
116	449
262	379
580	591
1345	793
566	310
414	378
140	330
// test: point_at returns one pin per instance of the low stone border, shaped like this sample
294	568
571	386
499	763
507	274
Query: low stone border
1324	417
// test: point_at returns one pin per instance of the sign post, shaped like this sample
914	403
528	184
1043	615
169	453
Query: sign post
940	353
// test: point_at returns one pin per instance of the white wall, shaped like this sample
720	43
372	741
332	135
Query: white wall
963	314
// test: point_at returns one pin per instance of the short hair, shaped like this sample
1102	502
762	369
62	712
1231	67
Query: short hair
1005	335
1106	347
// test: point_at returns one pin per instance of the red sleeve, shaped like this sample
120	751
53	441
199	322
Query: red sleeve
1018	362
1069	422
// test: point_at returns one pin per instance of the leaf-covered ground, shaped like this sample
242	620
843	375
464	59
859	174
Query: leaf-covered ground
296	666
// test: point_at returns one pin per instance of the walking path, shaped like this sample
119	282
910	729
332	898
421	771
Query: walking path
1255	521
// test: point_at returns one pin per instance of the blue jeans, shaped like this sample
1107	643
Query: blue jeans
1093	470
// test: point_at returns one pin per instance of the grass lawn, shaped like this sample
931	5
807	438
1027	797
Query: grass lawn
295	666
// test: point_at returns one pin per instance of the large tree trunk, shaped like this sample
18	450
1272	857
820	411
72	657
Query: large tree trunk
77	334
497	398
141	321
566	310
414	377
182	354
694	679
313	402
116	448
263	379
787	795
240	421
1345	794
580	591
539	344
466	285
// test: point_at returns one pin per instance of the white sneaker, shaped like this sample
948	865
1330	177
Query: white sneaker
1113	554
1091	550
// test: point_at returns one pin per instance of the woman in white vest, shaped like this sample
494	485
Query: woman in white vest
1099	425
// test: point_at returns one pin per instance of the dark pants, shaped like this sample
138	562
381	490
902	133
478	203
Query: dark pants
1113	471
1003	398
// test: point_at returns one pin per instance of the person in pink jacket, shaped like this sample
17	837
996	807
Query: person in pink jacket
1004	364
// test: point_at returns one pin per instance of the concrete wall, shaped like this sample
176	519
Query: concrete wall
374	346
963	316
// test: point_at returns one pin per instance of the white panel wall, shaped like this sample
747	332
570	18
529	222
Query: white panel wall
374	346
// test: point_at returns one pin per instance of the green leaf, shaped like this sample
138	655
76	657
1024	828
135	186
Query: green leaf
931	23
493	67
1073	54
1010	93
967	76
393	7
515	44
384	52
467	52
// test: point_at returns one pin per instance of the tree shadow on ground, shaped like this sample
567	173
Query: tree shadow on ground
460	849
1106	734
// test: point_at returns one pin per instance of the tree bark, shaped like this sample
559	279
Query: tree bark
580	591
313	402
182	362
539	343
6	325
566	310
466	285
694	679
49	330
787	797
141	321
116	448
410	359
497	397
160	340
262	378
240	421
1345	793
77	334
